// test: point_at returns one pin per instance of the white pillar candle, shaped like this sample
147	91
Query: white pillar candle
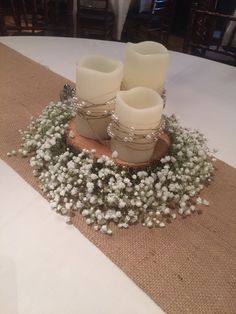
146	64
98	79
139	108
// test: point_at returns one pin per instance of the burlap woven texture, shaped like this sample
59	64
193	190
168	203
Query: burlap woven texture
187	267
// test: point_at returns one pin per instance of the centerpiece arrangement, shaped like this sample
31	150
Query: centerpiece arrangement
123	103
108	151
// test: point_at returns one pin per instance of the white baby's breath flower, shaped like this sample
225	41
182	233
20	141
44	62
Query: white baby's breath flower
114	154
102	191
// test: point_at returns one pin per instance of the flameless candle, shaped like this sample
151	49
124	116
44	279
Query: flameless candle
139	109
146	64
98	79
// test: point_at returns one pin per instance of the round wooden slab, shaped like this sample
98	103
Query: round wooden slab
78	142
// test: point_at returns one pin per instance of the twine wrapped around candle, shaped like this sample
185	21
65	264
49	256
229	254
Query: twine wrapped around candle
91	118
126	134
134	145
95	111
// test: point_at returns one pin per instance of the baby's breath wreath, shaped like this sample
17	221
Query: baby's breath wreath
104	192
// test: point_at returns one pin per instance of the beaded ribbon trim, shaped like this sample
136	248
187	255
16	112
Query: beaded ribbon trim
88	110
122	133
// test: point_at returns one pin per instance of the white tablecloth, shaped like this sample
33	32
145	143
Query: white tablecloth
48	267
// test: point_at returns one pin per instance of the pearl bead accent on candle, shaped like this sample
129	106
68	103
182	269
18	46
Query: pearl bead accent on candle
139	107
146	64
98	78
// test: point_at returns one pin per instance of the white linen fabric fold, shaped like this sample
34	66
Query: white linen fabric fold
228	33
120	8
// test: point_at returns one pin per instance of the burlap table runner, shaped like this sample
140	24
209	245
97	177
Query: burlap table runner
187	267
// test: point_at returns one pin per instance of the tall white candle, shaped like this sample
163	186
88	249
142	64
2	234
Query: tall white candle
146	64
139	107
98	78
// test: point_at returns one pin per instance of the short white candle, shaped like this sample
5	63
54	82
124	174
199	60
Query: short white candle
139	107
98	78
146	64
